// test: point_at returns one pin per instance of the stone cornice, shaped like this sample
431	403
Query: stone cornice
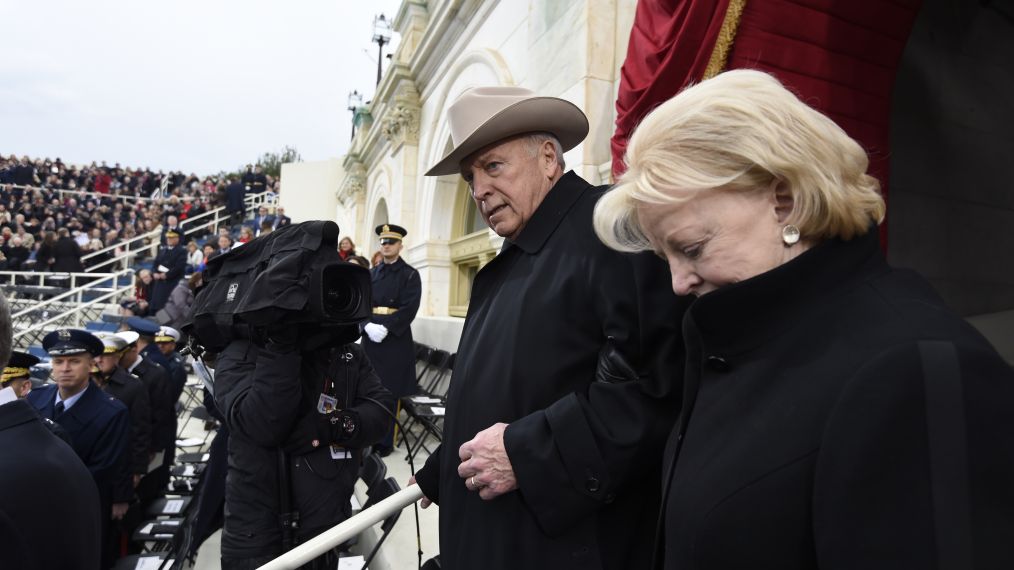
354	181
445	26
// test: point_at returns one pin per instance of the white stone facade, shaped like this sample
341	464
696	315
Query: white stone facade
571	49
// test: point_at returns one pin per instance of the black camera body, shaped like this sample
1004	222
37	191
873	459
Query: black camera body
292	276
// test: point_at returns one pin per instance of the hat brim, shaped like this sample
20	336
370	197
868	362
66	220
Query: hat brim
538	114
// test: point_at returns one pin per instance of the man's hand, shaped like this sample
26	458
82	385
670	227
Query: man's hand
377	333
119	509
425	502
485	466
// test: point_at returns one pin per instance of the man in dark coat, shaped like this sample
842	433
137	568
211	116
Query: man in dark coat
98	424
277	399
281	220
235	205
163	409
66	254
388	340
568	372
38	468
127	388
167	270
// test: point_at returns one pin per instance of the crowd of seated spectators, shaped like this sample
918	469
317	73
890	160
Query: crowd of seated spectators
53	213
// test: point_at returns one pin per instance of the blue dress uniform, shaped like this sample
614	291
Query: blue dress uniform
397	290
98	424
174	259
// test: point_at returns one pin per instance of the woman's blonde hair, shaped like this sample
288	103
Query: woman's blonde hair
742	130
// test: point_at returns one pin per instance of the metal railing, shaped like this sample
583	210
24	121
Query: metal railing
77	192
351	527
67	309
130	248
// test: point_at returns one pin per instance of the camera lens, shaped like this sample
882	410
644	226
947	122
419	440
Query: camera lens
340	298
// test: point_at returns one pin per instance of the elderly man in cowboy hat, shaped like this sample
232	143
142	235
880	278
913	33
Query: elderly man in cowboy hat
568	372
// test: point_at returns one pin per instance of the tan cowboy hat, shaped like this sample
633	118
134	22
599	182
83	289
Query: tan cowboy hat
484	115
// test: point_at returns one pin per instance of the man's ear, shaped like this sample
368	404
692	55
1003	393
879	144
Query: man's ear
781	197
549	159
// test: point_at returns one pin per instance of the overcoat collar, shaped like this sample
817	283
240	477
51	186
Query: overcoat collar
743	315
550	213
384	268
16	413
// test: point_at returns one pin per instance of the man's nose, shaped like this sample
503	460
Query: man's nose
481	188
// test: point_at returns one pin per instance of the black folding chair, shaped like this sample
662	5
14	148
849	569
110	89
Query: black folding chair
387	488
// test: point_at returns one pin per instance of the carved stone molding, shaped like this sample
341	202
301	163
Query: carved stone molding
354	182
401	124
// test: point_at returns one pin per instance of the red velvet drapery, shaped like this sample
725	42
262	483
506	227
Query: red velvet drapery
840	56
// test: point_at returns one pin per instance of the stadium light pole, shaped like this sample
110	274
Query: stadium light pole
381	35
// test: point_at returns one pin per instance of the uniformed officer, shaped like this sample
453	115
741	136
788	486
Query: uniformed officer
163	410
388	342
17	373
146	330
166	340
129	389
98	424
167	269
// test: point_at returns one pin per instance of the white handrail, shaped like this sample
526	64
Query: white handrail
77	291
250	201
76	191
78	309
350	527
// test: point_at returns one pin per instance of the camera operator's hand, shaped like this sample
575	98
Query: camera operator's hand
339	426
280	338
377	333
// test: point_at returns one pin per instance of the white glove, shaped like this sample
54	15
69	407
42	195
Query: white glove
377	333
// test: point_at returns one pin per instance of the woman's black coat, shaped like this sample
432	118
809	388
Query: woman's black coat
838	416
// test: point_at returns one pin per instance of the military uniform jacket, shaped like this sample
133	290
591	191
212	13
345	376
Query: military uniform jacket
584	451
128	389
395	285
163	407
175	259
99	428
44	483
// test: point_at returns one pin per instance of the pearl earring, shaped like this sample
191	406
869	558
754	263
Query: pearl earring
790	234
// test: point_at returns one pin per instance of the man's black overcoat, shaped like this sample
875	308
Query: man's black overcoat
395	285
128	389
44	484
817	436
585	452
175	260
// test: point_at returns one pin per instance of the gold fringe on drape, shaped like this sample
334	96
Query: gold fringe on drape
726	36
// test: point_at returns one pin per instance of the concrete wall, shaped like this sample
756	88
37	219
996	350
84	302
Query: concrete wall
308	191
951	196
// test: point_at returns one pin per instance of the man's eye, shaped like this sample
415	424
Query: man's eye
692	252
493	166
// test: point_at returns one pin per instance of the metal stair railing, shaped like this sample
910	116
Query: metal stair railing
76	193
351	527
151	239
32	319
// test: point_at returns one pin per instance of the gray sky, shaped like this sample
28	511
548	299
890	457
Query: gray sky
192	85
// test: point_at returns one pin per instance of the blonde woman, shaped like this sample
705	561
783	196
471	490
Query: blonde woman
836	413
